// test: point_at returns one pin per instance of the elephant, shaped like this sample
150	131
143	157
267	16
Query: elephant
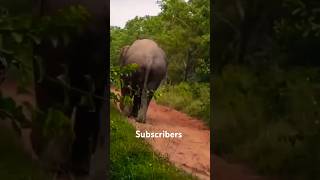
141	84
84	60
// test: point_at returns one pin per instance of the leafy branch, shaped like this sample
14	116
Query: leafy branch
19	35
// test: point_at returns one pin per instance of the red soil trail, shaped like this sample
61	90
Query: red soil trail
192	151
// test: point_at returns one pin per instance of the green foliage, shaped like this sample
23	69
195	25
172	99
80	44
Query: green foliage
191	98
303	20
56	124
116	74
181	29
20	33
10	110
52	131
133	158
269	124
266	85
18	36
67	22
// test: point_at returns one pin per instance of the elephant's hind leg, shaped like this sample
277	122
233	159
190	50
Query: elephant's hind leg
145	100
136	104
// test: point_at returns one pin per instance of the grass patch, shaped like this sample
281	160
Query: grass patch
191	98
133	158
15	163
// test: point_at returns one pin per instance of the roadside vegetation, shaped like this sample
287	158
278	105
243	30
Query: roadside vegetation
266	86
20	34
190	98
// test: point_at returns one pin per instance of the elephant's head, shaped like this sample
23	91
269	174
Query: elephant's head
123	54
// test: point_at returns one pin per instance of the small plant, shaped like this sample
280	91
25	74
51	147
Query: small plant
117	74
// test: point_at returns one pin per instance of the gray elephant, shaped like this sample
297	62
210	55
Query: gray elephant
141	84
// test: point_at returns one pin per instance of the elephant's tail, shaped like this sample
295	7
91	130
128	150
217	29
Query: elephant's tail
147	73
144	95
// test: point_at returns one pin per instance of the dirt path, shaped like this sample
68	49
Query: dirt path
192	151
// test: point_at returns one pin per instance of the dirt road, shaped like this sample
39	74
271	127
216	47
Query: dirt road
192	151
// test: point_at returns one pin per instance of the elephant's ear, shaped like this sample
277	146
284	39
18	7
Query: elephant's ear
123	54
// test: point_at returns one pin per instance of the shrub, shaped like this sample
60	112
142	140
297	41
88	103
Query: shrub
191	98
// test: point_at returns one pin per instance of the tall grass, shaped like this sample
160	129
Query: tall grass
191	98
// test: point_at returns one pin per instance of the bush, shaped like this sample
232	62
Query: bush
191	98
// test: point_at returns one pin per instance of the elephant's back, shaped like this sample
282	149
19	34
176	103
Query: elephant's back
144	49
146	43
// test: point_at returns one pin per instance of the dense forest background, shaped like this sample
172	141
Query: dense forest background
266	85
